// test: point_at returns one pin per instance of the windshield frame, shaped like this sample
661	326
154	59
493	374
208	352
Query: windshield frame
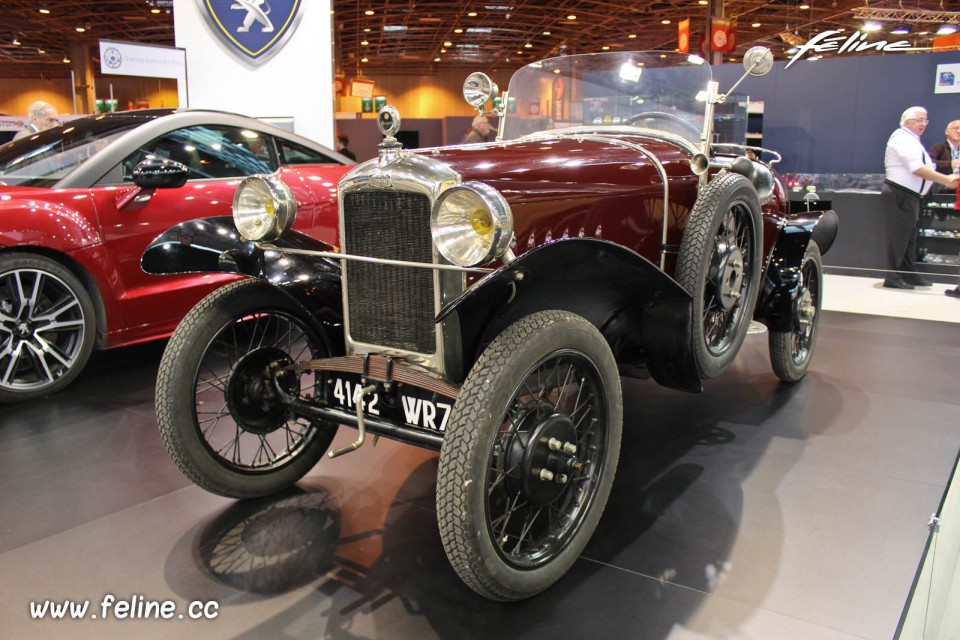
673	89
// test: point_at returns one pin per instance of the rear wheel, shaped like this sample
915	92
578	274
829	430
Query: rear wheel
221	415
47	326
791	351
529	455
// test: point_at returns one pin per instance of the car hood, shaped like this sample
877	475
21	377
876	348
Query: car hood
530	167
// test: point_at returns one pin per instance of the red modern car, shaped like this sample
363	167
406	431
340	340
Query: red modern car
76	215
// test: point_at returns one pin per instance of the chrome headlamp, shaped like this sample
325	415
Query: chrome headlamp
264	208
471	224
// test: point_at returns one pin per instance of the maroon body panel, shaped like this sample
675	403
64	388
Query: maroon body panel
594	188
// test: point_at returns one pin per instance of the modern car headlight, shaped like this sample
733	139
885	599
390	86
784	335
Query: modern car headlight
471	224
264	208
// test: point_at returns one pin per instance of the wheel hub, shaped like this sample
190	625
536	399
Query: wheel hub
546	458
730	274
251	395
806	310
23	329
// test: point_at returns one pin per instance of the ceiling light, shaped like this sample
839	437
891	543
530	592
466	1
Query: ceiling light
443	50
755	25
367	30
472	14
368	12
703	2
872	26
664	22
605	48
571	17
364	42
448	44
632	35
66	59
15	42
947	29
528	46
901	29
519	53
458	30
154	10
663	55
44	11
546	33
80	29
41	51
556	70
804	6
364	59
437	59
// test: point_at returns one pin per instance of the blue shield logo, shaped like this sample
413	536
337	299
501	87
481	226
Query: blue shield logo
254	30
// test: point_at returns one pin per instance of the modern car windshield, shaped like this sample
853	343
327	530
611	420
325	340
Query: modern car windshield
653	89
42	159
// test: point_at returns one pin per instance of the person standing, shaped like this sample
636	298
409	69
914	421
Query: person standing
42	115
946	153
480	131
909	174
342	142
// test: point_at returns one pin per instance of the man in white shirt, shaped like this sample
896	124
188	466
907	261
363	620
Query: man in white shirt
910	172
42	115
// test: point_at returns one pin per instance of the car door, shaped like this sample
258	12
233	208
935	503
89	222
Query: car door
218	157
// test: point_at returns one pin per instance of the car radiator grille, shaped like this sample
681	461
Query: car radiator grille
387	305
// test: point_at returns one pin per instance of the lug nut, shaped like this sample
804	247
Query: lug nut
562	478
546	475
569	447
553	444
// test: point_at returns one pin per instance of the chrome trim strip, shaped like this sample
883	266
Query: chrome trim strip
396	263
733	145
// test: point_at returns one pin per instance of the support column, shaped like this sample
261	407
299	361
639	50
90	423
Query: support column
80	63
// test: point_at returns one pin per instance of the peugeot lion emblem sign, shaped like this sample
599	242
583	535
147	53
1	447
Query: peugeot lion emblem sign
254	30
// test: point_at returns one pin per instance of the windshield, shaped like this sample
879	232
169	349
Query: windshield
42	159
653	89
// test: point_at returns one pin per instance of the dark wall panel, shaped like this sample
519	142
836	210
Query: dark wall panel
835	115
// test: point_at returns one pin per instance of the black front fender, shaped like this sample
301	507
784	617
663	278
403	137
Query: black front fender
644	314
782	280
212	245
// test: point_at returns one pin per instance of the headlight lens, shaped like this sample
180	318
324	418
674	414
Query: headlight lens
471	224
264	208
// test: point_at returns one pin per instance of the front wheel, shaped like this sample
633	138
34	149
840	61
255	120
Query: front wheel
221	416
791	351
719	264
529	455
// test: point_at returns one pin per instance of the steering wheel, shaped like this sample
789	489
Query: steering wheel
663	115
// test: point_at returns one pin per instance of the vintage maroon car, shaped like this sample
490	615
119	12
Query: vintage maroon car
76	215
487	299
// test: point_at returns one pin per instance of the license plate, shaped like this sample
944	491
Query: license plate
415	407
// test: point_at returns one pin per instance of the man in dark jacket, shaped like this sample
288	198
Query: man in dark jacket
947	152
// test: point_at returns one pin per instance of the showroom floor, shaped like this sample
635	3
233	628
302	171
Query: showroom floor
753	510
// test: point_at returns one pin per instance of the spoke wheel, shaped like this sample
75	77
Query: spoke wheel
719	264
529	455
221	387
791	351
47	327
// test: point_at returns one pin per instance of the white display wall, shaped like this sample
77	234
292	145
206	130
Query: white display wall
296	83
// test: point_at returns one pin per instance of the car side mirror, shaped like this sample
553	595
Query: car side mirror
160	173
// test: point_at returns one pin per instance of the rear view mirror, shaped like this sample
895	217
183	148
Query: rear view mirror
160	173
